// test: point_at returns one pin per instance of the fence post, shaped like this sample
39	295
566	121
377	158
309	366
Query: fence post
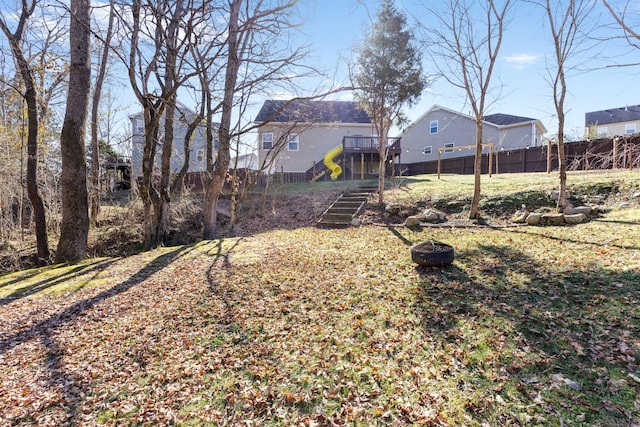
490	160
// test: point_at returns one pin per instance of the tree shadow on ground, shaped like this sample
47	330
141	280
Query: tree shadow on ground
566	333
71	387
83	269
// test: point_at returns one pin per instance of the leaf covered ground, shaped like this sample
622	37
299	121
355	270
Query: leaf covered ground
528	326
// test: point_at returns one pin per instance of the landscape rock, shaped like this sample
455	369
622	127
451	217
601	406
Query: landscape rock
556	193
595	199
432	215
586	210
520	217
636	195
577	218
552	219
393	208
412	221
534	218
355	222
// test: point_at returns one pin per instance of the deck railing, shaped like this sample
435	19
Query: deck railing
368	143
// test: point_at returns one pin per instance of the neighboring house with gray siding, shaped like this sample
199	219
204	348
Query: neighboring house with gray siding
197	145
443	128
612	122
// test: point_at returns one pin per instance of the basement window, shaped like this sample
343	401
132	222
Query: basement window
427	150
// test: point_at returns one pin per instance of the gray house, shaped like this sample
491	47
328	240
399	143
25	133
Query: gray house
197	144
295	136
449	132
612	122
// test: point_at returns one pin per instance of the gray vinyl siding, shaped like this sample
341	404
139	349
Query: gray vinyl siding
460	130
452	128
198	142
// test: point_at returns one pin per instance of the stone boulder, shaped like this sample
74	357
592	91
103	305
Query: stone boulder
585	210
534	218
432	215
520	217
552	219
412	221
393	208
556	193
577	218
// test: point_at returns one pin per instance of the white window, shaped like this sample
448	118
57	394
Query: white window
427	150
267	141
602	130
448	147
293	142
630	128
139	126
433	126
201	155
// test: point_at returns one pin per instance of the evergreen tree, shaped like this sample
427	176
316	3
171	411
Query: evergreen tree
388	76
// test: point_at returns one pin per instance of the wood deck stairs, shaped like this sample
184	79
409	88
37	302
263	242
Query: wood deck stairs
323	170
345	208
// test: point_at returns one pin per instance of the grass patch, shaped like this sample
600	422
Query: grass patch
528	326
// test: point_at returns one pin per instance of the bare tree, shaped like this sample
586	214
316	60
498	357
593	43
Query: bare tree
16	40
627	17
388	77
257	38
465	49
74	229
567	27
161	34
95	110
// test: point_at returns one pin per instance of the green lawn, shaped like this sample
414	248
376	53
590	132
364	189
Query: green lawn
528	326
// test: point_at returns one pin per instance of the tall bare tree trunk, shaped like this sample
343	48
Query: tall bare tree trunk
95	109
74	229
474	211
31	99
382	164
562	164
221	165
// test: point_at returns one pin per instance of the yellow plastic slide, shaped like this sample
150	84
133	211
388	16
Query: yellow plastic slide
335	168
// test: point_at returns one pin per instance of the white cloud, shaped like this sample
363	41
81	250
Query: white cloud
522	59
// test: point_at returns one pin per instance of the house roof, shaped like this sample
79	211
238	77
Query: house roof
613	115
506	119
305	111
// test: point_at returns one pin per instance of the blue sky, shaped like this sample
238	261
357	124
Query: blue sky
333	29
335	26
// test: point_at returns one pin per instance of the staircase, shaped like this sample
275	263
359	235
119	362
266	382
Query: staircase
346	207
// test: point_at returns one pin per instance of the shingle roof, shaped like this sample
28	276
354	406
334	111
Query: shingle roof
312	112
613	115
506	119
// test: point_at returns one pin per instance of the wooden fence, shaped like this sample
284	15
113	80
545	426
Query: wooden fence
623	152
